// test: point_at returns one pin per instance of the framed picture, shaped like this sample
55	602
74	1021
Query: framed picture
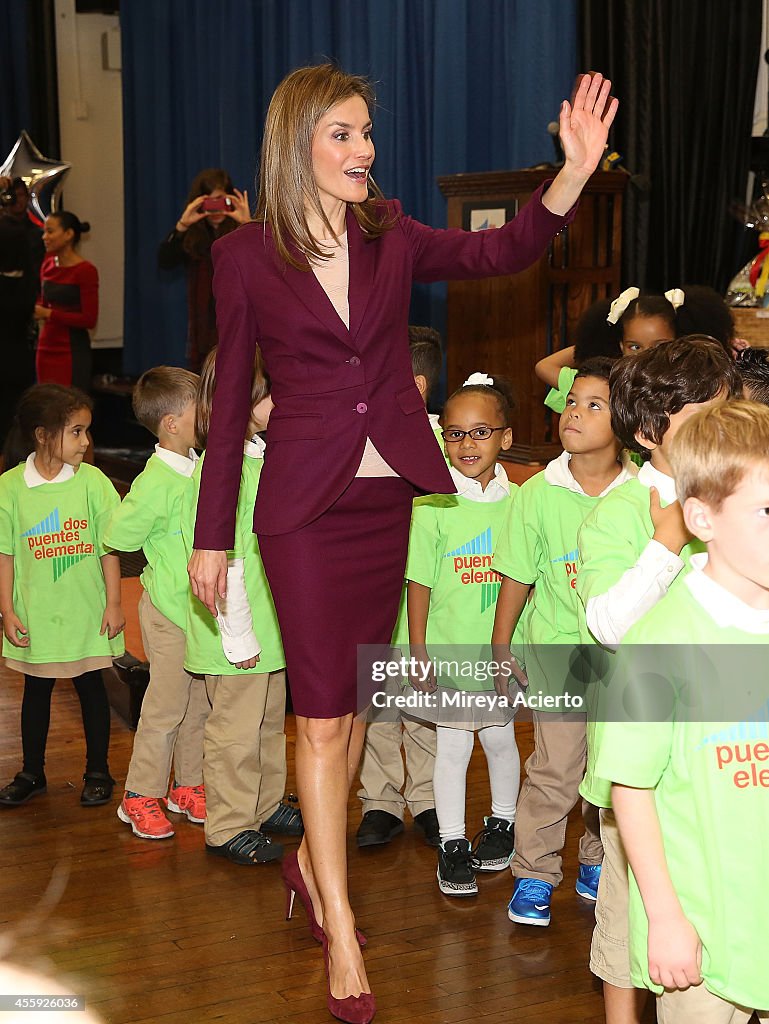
477	217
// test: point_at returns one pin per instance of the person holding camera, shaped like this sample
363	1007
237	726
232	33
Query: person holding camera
214	208
18	289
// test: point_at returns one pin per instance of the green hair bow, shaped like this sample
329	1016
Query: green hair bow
556	397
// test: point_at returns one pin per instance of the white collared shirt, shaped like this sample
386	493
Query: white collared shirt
497	488
724	607
184	464
559	474
33	479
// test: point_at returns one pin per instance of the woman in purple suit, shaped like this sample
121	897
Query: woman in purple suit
320	281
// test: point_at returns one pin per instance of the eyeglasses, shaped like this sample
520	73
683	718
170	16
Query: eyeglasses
477	434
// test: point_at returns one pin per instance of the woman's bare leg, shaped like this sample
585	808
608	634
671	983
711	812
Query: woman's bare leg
327	755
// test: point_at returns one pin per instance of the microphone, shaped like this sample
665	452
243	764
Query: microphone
554	132
613	162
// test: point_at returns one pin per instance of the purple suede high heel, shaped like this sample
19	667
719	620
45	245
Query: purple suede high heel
352	1009
291	874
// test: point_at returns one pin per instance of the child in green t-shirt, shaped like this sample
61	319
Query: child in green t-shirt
59	587
634	547
451	594
175	706
244	743
689	790
538	548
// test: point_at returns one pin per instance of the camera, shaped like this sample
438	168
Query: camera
217	204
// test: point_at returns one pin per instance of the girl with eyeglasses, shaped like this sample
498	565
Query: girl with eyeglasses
452	591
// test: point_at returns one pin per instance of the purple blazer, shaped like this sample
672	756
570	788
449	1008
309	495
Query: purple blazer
333	386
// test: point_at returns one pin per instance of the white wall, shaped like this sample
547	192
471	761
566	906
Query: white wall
91	125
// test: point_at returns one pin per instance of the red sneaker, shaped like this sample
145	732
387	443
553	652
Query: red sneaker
145	817
189	800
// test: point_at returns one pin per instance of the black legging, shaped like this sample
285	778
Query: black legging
36	717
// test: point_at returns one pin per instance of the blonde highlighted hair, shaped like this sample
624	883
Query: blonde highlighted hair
260	389
163	391
286	180
712	452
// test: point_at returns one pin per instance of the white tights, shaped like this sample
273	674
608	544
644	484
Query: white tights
452	758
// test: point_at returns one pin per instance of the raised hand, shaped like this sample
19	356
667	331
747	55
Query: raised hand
584	127
584	123
240	211
669	526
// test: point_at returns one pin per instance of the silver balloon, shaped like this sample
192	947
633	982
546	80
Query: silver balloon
43	177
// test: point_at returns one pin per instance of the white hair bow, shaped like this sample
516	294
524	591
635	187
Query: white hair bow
675	297
479	378
621	303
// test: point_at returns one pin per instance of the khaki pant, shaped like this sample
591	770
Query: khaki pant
245	752
550	790
382	774
609	952
174	711
697	1005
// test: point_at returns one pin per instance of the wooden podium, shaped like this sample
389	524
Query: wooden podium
506	324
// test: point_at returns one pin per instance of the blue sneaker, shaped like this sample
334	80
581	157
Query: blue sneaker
531	902
587	881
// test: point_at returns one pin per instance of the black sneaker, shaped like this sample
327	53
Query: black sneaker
248	848
285	820
427	823
456	869
377	828
23	788
494	845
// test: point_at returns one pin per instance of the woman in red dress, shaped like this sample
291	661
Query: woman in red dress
68	307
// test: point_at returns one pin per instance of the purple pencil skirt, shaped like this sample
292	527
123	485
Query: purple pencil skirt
337	584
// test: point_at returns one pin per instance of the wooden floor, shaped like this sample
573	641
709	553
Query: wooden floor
161	932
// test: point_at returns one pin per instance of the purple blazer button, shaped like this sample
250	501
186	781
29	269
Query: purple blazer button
361	407
354	361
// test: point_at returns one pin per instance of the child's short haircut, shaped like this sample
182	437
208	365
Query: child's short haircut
754	370
713	450
647	389
163	391
597	366
426	355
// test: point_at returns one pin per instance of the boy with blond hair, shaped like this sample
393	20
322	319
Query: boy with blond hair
689	791
175	706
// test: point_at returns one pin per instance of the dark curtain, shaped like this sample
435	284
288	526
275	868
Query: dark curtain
461	86
28	75
14	83
685	72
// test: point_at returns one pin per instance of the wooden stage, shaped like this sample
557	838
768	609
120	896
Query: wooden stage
161	933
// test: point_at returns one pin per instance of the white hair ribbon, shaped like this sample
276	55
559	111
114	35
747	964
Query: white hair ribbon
479	378
621	303
675	297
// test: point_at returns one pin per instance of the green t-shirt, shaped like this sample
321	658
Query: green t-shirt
204	654
538	545
401	631
149	518
55	533
710	782
451	548
610	542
